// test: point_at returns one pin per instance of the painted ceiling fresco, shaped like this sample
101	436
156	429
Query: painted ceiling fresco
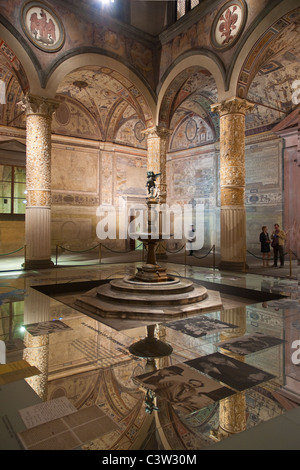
9	112
101	104
272	88
193	122
113	102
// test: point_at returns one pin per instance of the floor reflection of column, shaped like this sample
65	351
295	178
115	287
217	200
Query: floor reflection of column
232	410
36	352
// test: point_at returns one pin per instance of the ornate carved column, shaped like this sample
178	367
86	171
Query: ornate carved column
232	180
157	144
39	112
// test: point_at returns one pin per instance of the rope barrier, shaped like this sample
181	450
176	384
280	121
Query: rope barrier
264	259
96	246
295	255
12	252
202	257
258	257
78	251
177	251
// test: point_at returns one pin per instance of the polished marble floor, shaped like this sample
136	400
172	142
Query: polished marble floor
86	362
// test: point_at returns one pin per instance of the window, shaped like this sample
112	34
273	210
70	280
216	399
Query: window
183	6
12	189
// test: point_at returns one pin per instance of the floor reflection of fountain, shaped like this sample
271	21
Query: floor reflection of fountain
150	347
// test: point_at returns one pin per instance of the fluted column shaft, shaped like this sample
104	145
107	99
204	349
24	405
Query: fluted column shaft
38	181
232	182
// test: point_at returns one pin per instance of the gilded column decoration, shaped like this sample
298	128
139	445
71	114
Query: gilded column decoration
39	112
232	181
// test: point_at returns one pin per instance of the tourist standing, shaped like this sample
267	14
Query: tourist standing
278	238
265	245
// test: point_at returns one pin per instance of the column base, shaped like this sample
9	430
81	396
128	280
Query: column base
38	264
233	266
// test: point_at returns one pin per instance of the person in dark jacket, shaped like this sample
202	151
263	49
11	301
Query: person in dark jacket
265	245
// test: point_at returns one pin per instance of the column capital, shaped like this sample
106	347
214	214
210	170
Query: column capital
233	105
157	131
34	104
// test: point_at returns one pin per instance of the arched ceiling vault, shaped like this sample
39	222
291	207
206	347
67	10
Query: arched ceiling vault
109	97
102	98
186	108
270	73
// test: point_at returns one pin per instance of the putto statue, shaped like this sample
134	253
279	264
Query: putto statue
151	184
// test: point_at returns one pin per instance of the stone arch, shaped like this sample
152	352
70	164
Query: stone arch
21	61
250	56
174	79
80	61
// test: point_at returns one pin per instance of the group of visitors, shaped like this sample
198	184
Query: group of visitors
276	241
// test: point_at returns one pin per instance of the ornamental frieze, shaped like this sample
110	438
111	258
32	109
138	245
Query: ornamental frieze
232	197
38	198
232	176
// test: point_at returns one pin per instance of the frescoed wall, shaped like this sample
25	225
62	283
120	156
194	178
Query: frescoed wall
85	176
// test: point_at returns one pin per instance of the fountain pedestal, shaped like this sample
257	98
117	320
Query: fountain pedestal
151	294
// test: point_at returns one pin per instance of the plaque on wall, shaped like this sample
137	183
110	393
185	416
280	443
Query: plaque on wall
229	24
42	27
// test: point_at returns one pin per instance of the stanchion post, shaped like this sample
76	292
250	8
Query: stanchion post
56	255
25	255
214	257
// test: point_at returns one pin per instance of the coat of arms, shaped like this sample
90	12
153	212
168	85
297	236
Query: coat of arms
228	24
42	26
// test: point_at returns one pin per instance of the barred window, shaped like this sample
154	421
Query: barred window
183	6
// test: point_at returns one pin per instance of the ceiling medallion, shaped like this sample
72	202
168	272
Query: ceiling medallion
42	27
228	24
80	84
